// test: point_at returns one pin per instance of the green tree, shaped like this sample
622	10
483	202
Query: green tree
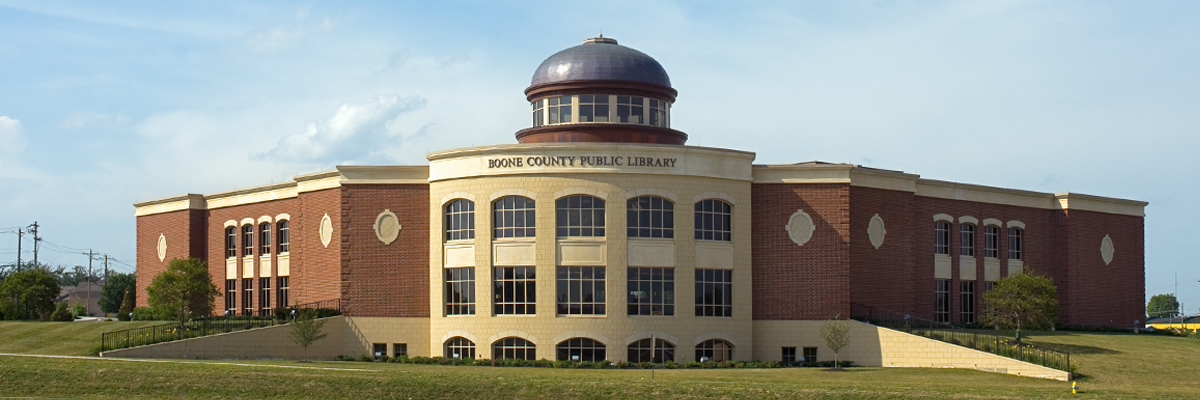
113	292
62	312
28	294
836	333
1162	305
185	288
126	306
306	329
1024	300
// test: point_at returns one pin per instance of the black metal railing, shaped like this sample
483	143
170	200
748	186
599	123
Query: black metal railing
172	331
995	344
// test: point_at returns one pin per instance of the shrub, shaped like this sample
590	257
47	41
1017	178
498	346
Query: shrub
670	364
383	358
645	365
366	358
61	312
543	363
622	364
562	364
78	310
343	357
691	364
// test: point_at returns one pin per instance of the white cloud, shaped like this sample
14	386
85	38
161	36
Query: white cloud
12	139
352	132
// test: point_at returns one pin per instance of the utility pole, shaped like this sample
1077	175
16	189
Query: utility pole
106	268
20	236
88	307
35	243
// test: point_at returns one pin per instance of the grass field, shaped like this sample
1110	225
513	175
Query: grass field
60	338
1114	365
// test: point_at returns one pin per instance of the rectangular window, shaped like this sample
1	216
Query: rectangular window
593	108
810	354
379	350
281	297
460	291
579	216
789	355
230	242
248	296
247	240
264	238
966	237
581	291
651	291
650	217
966	292
941	298
941	237
714	293
264	297
231	296
399	349
630	110
539	113
560	109
991	241
514	290
658	113
283	236
1014	243
987	286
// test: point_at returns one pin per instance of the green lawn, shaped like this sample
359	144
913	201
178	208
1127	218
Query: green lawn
59	338
1115	366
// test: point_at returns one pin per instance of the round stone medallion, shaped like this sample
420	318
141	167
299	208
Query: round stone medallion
326	230
1107	250
876	231
387	227
800	227
162	247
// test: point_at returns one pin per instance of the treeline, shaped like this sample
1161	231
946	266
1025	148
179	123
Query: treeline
32	291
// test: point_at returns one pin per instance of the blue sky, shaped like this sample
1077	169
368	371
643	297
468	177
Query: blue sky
104	104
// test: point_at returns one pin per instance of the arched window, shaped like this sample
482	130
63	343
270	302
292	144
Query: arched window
714	350
581	349
579	216
660	352
264	238
650	217
513	217
282	237
966	237
1015	236
991	241
460	220
460	347
941	237
230	242
247	240
713	220
514	348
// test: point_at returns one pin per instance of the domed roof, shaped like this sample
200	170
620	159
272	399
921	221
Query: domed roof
601	58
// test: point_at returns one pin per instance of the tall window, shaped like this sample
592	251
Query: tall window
593	108
991	241
281	292
283	236
788	354
651	291
460	220
713	220
629	110
987	286
1014	243
460	291
581	291
231	296
655	351
941	237
264	296
579	216
714	293
248	296
230	242
247	240
460	347
514	348
539	113
658	112
650	217
966	237
559	109
513	217
514	290
264	238
581	349
714	350
810	354
941	298
966	291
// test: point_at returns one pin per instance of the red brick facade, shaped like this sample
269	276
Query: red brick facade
184	233
385	280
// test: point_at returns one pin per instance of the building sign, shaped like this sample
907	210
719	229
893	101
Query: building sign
581	161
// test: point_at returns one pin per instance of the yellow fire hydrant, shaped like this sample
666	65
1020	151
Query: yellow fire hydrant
1075	387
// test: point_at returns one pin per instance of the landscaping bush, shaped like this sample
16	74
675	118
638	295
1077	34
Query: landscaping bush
78	310
366	358
691	364
670	364
61	312
645	365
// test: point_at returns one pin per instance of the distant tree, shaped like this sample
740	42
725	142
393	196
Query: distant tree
62	312
836	333
126	306
184	288
113	292
1023	300
306	329
28	294
1162	305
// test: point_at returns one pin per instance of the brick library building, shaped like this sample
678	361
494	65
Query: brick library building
601	235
